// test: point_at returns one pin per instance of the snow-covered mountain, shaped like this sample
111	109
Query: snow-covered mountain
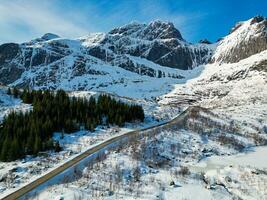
154	66
246	38
148	53
234	82
131	50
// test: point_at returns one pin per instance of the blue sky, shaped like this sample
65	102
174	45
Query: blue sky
22	20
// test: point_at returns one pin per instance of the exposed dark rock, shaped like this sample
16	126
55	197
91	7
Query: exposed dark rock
10	74
161	30
205	41
236	26
257	19
52	59
152	31
219	39
98	52
8	52
158	42
261	66
49	36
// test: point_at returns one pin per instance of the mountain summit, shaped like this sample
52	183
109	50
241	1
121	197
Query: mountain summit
48	61
49	36
154	30
135	49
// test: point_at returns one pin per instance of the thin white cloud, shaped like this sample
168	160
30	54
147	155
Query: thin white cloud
23	20
186	22
34	18
149	10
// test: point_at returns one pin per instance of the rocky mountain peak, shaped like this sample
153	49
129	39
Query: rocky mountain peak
205	41
163	30
138	48
44	38
257	19
158	41
245	39
154	30
49	36
127	29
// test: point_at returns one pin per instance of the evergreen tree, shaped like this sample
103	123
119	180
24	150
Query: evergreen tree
31	132
57	147
15	92
9	91
37	145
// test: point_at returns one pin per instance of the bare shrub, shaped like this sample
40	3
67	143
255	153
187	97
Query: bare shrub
232	141
77	172
118	174
65	180
101	156
184	171
259	140
173	147
137	174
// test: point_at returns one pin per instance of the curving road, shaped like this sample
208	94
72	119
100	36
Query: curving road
29	187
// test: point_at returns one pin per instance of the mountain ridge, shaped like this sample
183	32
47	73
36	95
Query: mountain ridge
245	39
48	61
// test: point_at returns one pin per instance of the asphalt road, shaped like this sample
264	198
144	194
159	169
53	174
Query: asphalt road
29	187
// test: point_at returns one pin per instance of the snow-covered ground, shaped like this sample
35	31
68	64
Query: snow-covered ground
244	175
18	173
235	92
171	165
9	104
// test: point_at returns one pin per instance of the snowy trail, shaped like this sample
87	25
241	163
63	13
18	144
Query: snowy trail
75	161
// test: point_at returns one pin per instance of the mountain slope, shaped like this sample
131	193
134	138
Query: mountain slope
159	42
53	62
136	60
246	39
231	88
236	90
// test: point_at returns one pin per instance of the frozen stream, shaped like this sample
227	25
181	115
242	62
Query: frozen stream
254	157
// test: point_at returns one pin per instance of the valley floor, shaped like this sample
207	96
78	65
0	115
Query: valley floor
14	175
214	157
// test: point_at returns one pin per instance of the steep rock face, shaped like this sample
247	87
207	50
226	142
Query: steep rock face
158	42
152	31
8	52
9	71
50	60
245	39
28	57
154	50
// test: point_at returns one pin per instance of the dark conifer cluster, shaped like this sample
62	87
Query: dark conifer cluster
31	132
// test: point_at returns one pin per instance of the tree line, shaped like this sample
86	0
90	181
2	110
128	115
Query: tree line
28	133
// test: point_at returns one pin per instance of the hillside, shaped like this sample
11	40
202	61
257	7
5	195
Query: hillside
219	89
